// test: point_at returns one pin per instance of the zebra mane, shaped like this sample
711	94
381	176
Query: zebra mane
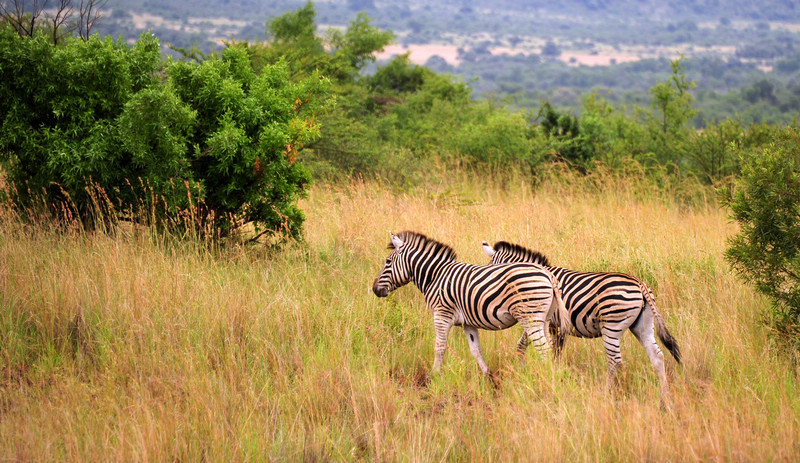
419	241
522	252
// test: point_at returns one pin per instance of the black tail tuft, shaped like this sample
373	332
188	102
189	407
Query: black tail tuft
661	327
670	344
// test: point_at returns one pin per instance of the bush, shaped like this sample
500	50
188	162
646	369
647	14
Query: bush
58	106
614	137
246	137
766	251
497	138
712	152
97	115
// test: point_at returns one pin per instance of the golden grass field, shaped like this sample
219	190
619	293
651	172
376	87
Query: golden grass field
144	347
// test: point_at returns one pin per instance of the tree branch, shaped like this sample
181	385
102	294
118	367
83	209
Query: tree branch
89	14
63	13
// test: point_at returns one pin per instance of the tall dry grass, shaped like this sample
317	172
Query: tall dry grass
141	347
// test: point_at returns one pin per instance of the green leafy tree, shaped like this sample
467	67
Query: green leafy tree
563	138
338	55
494	137
246	136
398	76
766	251
98	114
550	49
348	140
358	44
614	137
58	106
672	103
713	152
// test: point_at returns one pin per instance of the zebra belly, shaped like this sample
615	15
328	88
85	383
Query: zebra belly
499	320
589	321
586	323
588	328
506	320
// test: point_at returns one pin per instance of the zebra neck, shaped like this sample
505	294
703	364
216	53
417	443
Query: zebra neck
426	273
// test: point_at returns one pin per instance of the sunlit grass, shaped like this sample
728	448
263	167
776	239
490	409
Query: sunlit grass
140	347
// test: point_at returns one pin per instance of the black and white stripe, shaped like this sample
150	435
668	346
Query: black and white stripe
489	297
601	305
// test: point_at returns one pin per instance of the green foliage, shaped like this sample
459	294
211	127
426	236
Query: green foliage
389	124
293	39
673	111
339	56
563	138
153	131
58	106
613	135
766	204
398	76
495	137
248	131
359	42
672	99
713	152
296	28
215	137
600	134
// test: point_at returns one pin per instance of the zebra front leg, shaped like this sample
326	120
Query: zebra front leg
442	322
475	347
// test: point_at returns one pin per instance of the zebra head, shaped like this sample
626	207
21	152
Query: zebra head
503	252
395	272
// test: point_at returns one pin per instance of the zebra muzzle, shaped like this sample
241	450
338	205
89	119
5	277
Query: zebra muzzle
380	291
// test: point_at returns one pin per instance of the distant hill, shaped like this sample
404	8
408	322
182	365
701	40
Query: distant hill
529	49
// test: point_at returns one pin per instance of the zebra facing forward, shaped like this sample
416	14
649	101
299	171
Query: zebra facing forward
601	305
489	297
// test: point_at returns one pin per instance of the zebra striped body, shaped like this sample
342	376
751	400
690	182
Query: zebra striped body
489	297
601	305
592	297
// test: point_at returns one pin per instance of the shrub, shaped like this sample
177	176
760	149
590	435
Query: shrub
58	106
766	251
497	139
97	115
712	152
246	137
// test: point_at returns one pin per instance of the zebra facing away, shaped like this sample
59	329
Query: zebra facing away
489	297
601	304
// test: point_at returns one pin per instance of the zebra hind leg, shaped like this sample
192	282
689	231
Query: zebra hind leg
522	348
557	338
642	328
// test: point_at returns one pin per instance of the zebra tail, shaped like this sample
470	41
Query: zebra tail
661	327
560	315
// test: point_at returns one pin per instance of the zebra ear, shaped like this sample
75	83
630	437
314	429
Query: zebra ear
488	249
396	242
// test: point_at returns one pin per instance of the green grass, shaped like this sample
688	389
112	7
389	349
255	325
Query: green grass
139	347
